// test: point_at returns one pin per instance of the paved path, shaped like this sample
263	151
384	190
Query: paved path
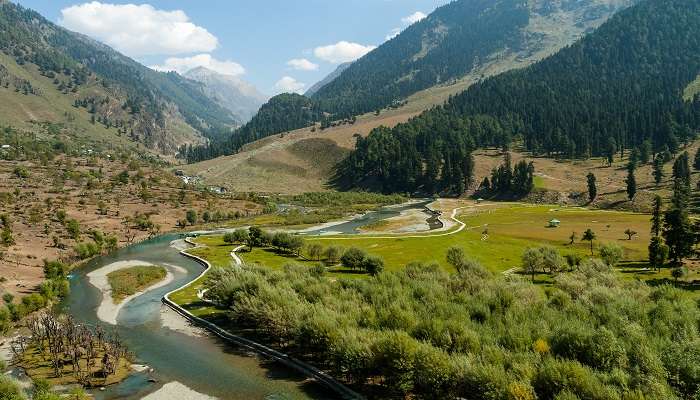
235	257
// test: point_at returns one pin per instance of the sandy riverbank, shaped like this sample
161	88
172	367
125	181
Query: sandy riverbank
176	391
108	310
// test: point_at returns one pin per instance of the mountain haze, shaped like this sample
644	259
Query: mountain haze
239	97
328	79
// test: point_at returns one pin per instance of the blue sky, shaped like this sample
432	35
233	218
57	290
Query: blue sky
278	45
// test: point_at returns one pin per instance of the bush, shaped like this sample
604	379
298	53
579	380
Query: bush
353	258
373	265
611	253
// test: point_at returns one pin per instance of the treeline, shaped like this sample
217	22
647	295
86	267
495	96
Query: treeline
431	154
425	333
282	113
617	88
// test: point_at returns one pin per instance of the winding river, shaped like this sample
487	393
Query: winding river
183	354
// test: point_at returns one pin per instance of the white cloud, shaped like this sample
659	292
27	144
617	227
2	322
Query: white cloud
138	30
413	18
394	33
289	85
342	52
406	21
302	64
184	64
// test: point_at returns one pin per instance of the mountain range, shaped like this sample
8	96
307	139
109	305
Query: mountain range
464	37
52	75
241	98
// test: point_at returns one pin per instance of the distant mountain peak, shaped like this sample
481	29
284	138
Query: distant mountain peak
231	92
328	79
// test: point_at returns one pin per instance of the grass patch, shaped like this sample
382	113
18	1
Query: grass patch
132	280
38	366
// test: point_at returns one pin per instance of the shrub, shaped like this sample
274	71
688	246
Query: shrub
611	253
373	265
353	258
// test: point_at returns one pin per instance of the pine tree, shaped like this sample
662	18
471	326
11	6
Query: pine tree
592	190
631	182
658	169
696	161
678	230
656	218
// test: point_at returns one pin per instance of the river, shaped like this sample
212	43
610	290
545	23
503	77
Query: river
202	362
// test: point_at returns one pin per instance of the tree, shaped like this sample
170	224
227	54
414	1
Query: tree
353	258
678	273
630	233
645	152
611	253
191	216
656	217
373	265
73	228
658	252
610	150
696	161
592	190
455	256
532	261
658	170
678	231
552	261
589	236
332	254
314	250
631	182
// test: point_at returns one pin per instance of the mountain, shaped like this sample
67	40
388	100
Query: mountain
53	75
621	87
455	39
328	79
453	45
240	97
281	113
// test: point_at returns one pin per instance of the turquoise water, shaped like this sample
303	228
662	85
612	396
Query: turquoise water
205	364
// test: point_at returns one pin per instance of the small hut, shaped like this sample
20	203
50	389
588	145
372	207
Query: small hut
554	223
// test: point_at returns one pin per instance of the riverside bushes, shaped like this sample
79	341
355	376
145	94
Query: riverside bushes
434	335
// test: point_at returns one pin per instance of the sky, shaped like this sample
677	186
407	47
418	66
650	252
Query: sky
277	45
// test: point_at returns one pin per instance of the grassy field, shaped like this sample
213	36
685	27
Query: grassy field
510	229
128	281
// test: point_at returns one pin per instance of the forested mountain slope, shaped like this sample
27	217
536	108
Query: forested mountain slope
466	38
454	40
282	113
142	104
614	89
